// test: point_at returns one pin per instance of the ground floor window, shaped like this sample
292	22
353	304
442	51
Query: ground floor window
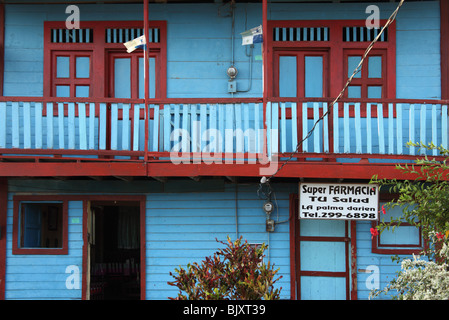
40	227
403	239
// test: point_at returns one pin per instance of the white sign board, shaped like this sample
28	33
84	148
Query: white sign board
338	201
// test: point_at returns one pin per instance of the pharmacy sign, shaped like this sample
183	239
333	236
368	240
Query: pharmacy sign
338	201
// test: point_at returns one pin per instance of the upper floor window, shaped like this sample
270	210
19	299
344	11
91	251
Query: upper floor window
371	81
93	62
313	59
72	76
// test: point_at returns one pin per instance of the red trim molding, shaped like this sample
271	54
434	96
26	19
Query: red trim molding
350	273
335	46
294	254
99	51
3	214
407	249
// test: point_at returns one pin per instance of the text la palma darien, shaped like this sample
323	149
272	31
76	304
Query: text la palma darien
339	191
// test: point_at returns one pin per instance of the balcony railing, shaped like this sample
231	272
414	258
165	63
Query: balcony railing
241	130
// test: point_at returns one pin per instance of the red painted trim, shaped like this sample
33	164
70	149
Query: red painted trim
27	169
378	247
293	209
147	75
216	100
71	81
266	59
143	260
57	153
329	170
89	198
295	281
353	260
324	169
85	248
41	251
266	55
350	273
364	81
341	274
444	48
99	49
3	222
336	46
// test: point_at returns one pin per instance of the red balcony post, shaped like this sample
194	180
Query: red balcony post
2	44
147	74
444	26
265	88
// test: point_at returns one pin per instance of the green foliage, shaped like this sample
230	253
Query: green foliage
425	200
425	204
236	272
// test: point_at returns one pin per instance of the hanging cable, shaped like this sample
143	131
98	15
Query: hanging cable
390	20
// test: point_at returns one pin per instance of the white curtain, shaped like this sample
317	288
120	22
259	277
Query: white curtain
128	228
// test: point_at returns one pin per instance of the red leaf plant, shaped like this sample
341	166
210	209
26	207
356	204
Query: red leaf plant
235	272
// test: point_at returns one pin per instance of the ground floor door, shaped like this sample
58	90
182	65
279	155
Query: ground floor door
114	250
324	260
322	257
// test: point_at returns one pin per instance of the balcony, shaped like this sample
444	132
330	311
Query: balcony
198	137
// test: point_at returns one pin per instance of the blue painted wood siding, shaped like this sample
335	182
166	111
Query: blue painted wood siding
182	228
182	223
42	277
198	54
369	263
199	43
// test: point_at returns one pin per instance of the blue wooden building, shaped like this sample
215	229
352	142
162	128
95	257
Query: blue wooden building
116	167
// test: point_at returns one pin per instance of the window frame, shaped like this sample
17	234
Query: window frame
18	201
336	46
405	249
72	81
134	77
99	64
300	54
364	81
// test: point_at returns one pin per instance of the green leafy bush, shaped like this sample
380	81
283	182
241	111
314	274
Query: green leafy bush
425	204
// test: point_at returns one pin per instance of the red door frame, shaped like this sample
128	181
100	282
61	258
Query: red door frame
112	198
350	272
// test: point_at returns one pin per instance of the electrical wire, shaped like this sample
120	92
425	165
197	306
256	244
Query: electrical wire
348	82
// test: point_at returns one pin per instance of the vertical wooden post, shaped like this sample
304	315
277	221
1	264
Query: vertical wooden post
353	260
3	209
444	48
146	74
265	74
